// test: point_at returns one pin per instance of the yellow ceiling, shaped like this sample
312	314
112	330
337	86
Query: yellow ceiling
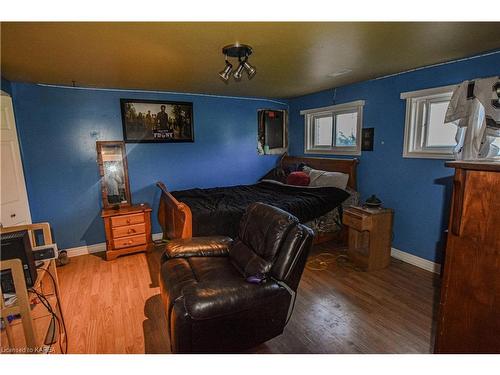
291	58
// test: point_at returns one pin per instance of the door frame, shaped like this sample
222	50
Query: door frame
25	190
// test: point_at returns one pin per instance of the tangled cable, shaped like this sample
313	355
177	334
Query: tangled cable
321	261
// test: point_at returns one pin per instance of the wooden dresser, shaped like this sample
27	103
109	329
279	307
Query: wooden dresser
128	229
370	233
469	310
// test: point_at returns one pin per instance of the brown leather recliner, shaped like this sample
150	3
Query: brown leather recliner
211	306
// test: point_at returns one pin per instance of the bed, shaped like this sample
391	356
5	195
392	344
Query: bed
200	212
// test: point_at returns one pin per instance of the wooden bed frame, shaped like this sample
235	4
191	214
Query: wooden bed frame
175	217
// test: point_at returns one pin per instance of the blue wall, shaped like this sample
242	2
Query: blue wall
5	86
418	189
58	128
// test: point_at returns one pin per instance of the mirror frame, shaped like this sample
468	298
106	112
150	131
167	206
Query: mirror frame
100	163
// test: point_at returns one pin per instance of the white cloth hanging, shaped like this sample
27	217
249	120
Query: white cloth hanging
475	109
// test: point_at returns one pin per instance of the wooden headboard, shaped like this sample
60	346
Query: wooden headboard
348	166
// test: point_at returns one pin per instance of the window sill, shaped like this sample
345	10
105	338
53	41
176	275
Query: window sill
332	152
428	155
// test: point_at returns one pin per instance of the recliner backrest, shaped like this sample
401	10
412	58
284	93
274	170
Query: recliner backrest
270	240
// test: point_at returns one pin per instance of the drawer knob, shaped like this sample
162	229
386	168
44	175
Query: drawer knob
131	231
128	221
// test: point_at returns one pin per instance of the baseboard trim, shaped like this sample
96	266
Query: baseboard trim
157	236
416	261
98	247
86	249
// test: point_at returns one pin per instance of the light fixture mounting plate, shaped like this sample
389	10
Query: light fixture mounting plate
237	50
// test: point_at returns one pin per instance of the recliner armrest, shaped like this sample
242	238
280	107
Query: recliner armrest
213	246
215	299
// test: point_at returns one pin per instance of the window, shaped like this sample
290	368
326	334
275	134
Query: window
334	130
426	134
496	142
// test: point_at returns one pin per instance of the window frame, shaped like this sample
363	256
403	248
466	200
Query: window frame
417	123
332	111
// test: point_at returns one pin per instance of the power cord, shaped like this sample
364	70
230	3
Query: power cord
54	318
320	262
59	303
62	320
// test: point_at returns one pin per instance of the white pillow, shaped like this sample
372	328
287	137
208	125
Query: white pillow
325	178
307	169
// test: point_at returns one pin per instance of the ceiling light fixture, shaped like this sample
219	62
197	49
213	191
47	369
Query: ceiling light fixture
242	52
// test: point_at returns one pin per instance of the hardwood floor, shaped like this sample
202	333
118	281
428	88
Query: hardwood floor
115	307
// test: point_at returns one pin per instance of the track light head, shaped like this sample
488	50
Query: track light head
226	73
239	71
249	68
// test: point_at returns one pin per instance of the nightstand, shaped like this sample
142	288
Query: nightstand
370	232
128	229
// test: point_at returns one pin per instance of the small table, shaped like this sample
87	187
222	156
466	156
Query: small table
370	235
35	331
128	229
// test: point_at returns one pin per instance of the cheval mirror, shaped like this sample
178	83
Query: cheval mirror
112	161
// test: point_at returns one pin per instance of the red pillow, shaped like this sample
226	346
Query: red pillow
298	179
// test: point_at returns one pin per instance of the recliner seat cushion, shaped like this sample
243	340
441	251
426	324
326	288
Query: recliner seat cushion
207	300
178	273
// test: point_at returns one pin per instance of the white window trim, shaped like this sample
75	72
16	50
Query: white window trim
310	114
413	134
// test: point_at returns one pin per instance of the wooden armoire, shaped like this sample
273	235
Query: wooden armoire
469	310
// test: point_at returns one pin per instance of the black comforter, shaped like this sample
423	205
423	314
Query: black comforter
218	210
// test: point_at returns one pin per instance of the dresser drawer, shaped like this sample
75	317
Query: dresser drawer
129	230
358	222
118	221
119	243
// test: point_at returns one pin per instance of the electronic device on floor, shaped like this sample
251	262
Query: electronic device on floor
45	252
17	245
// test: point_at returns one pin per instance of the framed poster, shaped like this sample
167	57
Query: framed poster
156	121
